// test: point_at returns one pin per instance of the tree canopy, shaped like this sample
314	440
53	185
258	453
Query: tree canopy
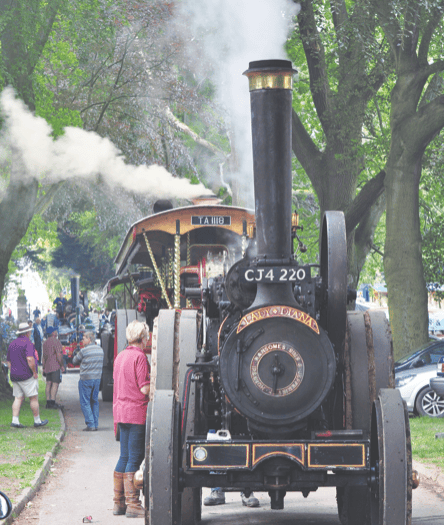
370	104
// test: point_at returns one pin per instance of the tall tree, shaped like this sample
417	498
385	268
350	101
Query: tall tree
25	28
417	116
345	73
356	53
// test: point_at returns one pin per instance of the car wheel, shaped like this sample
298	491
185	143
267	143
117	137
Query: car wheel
428	403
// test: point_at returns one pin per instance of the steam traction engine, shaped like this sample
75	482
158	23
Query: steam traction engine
263	381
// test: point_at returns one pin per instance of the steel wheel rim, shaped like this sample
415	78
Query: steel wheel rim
333	259
164	497
390	461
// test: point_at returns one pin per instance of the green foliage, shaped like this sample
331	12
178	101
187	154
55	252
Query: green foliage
84	226
86	249
58	117
431	197
223	194
41	238
305	203
35	247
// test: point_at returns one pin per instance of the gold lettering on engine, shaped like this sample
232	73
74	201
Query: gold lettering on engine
269	312
276	349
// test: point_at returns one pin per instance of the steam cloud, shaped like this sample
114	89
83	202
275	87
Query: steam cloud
82	154
236	32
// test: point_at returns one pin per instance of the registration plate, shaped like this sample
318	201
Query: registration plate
275	274
211	220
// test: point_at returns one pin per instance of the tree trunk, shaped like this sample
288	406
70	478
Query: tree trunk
16	212
404	273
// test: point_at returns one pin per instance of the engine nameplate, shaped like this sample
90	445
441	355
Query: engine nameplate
277	369
278	311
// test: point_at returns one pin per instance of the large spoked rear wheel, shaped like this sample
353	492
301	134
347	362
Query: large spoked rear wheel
164	502
368	367
391	461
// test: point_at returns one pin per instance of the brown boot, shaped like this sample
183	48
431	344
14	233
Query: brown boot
134	508
119	495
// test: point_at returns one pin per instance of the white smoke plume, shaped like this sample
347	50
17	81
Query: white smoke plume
236	32
82	154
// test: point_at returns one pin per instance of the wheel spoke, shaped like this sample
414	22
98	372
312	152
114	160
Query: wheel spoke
432	404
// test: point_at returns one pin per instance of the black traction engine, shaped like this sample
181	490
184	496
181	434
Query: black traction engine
271	385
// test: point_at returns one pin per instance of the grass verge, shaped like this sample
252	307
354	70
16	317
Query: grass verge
425	447
22	450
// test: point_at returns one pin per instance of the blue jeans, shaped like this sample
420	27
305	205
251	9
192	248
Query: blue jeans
89	401
132	447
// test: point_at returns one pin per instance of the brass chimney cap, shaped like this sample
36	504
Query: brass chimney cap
270	74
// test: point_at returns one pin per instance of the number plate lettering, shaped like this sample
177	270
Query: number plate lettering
211	220
275	274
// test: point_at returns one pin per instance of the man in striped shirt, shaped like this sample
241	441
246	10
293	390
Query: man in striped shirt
91	363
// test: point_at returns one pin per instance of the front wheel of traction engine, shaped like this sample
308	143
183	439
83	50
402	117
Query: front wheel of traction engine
174	346
164	500
368	367
388	501
390	461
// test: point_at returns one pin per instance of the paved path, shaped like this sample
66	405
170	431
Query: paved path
80	484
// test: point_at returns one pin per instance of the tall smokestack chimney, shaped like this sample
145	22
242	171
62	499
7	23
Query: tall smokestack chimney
271	83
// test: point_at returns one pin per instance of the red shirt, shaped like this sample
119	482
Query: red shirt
131	373
52	348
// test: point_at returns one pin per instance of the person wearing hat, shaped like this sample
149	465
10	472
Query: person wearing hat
24	376
52	357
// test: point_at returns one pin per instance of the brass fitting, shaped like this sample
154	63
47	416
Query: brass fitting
138	480
415	479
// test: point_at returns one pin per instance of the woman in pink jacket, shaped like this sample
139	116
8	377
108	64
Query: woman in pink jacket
131	389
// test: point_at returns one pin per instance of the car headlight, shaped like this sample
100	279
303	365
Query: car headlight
402	381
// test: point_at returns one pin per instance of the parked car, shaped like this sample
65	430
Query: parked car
428	354
414	386
437	383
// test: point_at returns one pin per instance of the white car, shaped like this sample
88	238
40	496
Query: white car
414	386
437	383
